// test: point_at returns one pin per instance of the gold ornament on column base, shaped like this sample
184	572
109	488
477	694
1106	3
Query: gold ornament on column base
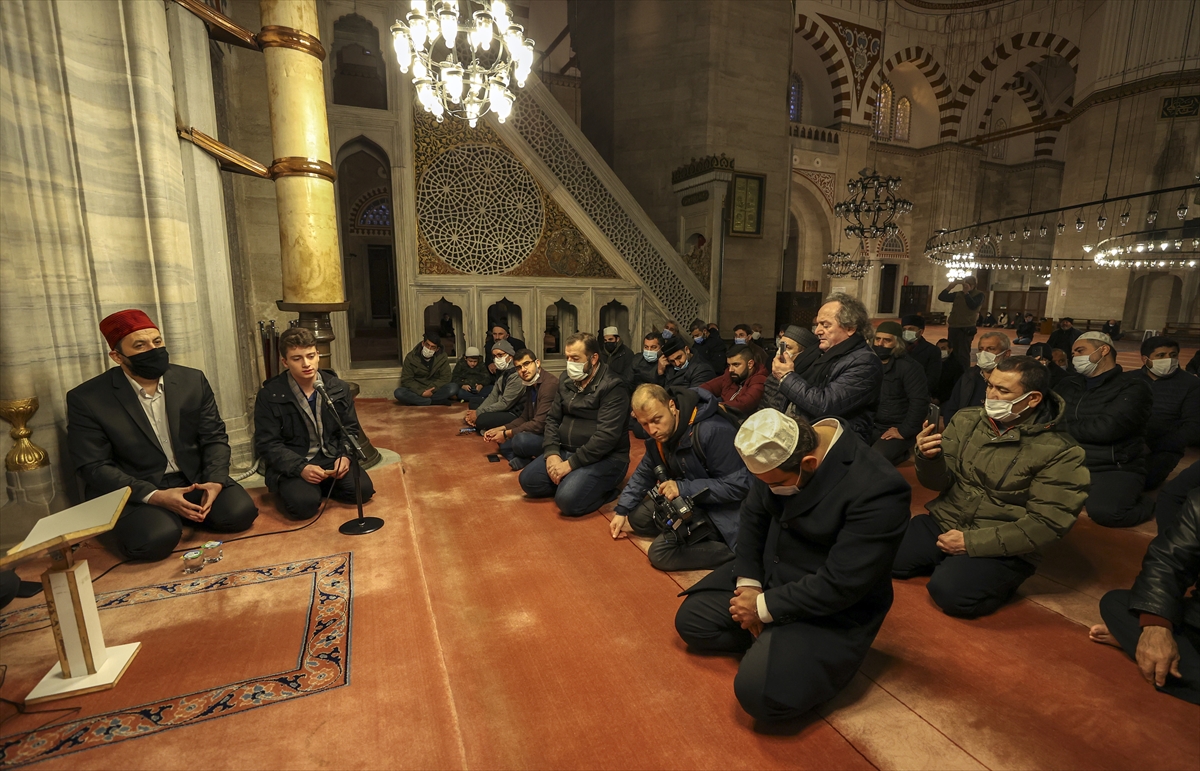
24	455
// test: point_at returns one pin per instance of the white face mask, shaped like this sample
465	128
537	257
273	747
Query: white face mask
576	370
1164	367
427	353
502	363
1001	409
910	335
785	490
986	359
755	335
1084	364
945	354
650	356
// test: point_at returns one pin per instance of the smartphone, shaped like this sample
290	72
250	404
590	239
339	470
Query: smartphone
933	416
493	458
466	430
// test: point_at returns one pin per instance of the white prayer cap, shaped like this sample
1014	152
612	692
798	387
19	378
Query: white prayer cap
473	352
1099	337
612	331
766	439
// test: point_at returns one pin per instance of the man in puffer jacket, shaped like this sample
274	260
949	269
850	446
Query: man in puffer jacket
845	381
1107	412
1010	483
1156	622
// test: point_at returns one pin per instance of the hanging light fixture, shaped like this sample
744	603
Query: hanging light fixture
1151	216
872	206
428	42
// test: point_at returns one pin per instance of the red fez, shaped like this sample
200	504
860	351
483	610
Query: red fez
123	323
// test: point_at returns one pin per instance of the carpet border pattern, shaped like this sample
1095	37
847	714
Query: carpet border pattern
323	663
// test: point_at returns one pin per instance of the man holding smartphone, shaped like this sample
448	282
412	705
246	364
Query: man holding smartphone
1010	483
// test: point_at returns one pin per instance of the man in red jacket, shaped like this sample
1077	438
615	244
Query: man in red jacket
740	387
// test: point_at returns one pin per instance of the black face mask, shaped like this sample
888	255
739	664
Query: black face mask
882	352
151	364
611	347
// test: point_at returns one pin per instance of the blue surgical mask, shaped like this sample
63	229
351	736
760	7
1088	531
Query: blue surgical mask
668	334
740	341
699	339
650	356
683	366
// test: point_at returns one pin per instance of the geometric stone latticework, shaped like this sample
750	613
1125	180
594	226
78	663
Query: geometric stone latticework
578	179
480	209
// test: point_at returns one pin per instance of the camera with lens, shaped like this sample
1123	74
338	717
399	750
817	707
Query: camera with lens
679	515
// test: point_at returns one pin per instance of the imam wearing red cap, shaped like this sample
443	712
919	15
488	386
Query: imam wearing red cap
154	427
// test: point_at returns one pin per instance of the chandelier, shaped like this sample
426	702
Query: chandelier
840	264
463	55
872	206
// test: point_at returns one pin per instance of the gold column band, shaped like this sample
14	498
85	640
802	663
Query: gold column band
285	37
302	167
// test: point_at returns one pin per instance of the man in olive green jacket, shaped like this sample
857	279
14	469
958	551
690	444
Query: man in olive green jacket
425	375
1009	482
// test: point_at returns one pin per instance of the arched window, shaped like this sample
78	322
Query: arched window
900	131
376	214
795	94
883	112
893	247
1000	149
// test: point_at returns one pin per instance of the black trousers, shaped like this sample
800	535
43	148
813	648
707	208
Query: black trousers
895	450
1126	630
820	656
301	499
150	533
490	420
669	552
1115	499
1174	493
963	586
960	340
1159	466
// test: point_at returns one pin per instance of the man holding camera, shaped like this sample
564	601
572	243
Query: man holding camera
690	483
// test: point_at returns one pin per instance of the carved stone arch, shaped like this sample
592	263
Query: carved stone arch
363	203
925	63
824	42
954	108
362	144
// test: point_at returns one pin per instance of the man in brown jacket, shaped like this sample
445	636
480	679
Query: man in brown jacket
520	439
1010	483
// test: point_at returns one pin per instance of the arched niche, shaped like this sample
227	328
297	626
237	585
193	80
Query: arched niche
446	320
815	233
359	71
562	321
507	314
616	314
364	190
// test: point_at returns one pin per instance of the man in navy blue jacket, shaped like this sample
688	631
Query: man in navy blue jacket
811	582
1175	415
694	445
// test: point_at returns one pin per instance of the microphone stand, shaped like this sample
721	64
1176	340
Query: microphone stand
360	525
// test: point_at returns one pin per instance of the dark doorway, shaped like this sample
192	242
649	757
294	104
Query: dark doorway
381	267
888	274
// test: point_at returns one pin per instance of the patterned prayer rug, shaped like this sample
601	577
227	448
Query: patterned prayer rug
323	663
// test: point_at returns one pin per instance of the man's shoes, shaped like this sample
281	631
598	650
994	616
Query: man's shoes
517	463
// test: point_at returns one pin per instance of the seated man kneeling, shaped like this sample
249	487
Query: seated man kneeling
507	397
1156	622
425	374
1011	482
153	426
693	444
809	587
520	439
296	438
586	449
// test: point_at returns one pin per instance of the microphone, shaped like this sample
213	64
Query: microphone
321	390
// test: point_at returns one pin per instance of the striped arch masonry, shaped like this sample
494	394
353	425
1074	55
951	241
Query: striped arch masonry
835	64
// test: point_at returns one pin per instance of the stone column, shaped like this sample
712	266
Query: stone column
303	172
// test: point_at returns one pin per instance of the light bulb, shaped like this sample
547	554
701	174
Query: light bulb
1042	230
502	104
1151	216
500	13
513	36
420	71
1061	227
1026	233
417	29
473	108
1182	211
483	32
1101	221
402	47
1012	235
1164	245
1124	220
452	79
449	25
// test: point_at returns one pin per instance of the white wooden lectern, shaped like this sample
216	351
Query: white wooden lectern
84	664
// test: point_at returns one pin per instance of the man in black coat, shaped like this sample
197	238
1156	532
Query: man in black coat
1107	413
903	396
297	438
1156	622
811	584
585	450
154	427
617	356
952	371
845	380
1175	419
1065	336
920	350
685	367
499	332
1026	330
708	346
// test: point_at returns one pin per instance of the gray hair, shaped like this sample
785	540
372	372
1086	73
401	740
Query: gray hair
852	313
1005	342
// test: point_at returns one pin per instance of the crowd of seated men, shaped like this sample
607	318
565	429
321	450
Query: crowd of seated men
776	469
